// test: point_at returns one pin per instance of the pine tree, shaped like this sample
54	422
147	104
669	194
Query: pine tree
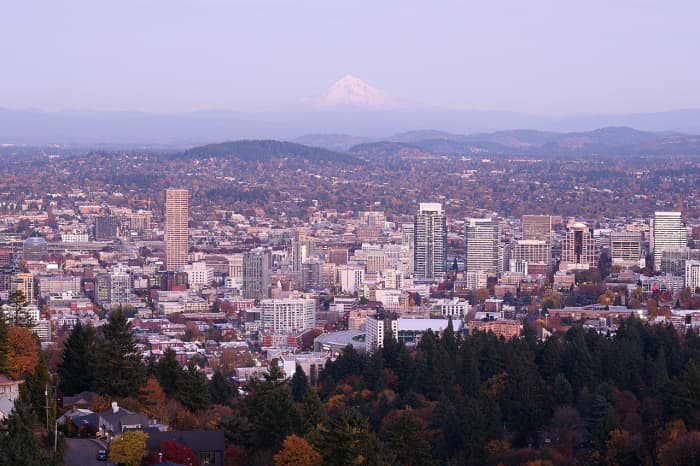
312	412
272	414
18	445
347	440
220	391
119	368
192	389
78	367
4	348
405	442
169	371
299	384
38	386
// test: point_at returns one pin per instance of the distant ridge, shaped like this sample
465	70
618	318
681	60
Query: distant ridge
603	141
182	130
253	150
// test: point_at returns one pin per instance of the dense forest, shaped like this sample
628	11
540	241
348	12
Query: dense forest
575	398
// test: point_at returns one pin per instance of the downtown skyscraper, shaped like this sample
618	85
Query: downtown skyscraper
483	238
430	241
176	229
667	232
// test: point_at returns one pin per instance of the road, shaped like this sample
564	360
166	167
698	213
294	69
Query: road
81	452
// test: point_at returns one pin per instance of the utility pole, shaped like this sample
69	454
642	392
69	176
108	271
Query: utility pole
46	395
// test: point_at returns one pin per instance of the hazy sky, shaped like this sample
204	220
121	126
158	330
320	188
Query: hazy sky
542	57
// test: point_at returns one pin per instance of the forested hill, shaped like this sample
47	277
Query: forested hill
266	149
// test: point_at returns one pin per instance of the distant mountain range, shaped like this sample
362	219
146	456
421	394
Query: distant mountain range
604	141
328	126
416	144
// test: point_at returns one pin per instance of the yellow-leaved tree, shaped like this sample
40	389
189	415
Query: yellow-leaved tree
128	448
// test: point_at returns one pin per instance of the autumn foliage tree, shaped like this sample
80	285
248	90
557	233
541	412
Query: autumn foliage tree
23	352
175	452
129	448
297	452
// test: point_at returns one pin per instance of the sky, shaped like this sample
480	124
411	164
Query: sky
537	57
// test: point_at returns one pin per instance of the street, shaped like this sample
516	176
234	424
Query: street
81	452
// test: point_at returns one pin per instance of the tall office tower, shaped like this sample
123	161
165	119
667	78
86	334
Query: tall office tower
537	227
483	237
625	247
667	231
176	232
430	241
112	289
257	272
106	227
301	250
408	234
673	260
578	247
692	274
311	277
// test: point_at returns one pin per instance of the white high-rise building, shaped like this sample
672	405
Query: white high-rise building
350	278
176	230
692	274
288	315
667	231
483	238
430	241
376	327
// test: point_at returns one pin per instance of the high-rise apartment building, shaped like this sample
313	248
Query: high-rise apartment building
24	282
578	247
257	272
288	315
176	231
692	274
483	238
534	253
667	231
430	241
377	327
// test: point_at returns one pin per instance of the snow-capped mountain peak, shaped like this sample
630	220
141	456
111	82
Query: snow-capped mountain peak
351	90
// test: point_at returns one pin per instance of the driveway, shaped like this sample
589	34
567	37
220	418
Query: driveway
82	452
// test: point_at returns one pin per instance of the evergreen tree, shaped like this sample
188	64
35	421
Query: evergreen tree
119	368
78	367
38	387
299	384
562	391
18	445
272	414
312	412
347	440
220	390
405	442
4	347
19	314
192	389
168	371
